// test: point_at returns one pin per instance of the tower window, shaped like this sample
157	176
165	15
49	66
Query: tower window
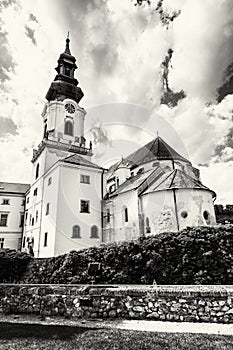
3	219
68	128
5	201
49	181
24	241
36	215
84	206
184	214
45	239
94	232
37	170
76	231
35	192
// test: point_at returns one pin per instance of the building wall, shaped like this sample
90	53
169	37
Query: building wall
71	191
12	233
166	210
117	229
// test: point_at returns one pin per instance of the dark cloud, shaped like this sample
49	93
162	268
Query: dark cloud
31	34
7	126
7	3
6	60
33	18
228	143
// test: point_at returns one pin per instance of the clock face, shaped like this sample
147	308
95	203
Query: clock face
70	108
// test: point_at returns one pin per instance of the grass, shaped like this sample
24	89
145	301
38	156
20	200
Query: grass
16	336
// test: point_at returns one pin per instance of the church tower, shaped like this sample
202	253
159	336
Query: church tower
64	200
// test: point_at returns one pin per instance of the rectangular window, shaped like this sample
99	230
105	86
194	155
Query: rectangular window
5	201
21	220
49	181
84	206
85	179
26	217
1	243
47	209
24	241
35	192
3	219
45	239
23	202
28	200
108	215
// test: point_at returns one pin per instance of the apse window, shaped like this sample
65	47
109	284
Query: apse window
184	214
84	206
47	209
85	179
206	216
45	239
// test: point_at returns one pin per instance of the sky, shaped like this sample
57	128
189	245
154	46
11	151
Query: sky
119	49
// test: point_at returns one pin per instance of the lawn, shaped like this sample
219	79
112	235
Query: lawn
16	336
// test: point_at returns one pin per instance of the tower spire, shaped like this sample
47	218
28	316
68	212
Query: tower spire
67	49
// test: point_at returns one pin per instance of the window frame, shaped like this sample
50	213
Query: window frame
76	234
7	215
69	123
83	179
46	239
47	209
94	232
88	206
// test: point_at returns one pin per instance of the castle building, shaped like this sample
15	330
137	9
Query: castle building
73	203
12	203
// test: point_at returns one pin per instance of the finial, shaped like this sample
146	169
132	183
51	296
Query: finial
67	49
157	133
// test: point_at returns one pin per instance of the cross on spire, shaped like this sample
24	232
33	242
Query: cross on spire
67	49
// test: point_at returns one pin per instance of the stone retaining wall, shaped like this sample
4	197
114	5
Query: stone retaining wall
166	303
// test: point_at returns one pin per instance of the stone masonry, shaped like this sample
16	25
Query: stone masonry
164	303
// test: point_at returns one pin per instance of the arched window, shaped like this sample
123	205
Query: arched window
37	170
126	215
148	229
76	231
68	128
94	232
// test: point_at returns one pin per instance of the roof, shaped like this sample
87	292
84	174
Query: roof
78	160
155	180
176	179
155	149
9	187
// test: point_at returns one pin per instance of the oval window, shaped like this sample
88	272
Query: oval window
184	214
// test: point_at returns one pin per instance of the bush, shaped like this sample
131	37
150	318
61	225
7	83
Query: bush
200	255
13	264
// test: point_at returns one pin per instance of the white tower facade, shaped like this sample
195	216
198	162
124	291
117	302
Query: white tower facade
63	206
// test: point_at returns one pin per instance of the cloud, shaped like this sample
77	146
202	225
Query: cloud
33	18
7	127
31	34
